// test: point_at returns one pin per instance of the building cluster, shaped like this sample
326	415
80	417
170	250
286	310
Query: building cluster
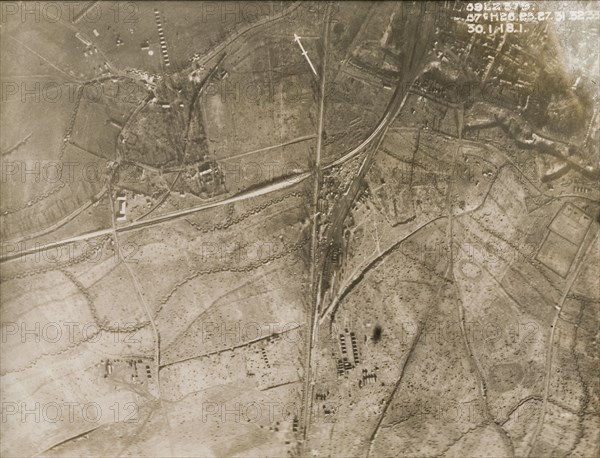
347	362
132	364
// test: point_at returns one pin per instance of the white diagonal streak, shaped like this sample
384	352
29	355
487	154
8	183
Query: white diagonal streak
305	54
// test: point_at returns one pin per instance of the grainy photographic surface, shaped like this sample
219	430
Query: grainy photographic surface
300	229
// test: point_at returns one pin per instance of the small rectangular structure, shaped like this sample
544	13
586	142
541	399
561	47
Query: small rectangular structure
122	208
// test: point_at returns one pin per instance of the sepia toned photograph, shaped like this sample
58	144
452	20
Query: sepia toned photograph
296	229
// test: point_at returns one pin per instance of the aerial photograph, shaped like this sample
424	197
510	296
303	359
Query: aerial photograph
295	229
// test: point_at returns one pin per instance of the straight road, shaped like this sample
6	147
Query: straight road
162	218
